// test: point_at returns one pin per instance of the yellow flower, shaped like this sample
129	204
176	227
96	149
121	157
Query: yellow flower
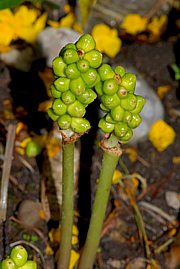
157	24
7	33
162	90
134	24
73	259
107	39
161	135
117	176
67	21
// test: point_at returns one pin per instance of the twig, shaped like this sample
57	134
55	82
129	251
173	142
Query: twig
6	169
164	245
26	164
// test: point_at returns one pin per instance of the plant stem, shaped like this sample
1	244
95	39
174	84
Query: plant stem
109	163
67	206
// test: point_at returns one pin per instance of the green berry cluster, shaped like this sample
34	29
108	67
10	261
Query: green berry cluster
75	71
118	101
18	259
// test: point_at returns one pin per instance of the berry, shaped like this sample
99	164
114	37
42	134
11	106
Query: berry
68	97
117	113
139	105
110	86
80	125
64	122
8	264
129	82
54	92
90	77
94	57
82	65
33	149
29	265
77	86
127	136
76	109
135	121
120	129
122	92
105	126
99	87
87	97
59	107
52	115
18	253
85	43
119	70
110	101
71	71
70	56
109	118
105	71
127	116
104	109
58	66
62	84
68	46
129	103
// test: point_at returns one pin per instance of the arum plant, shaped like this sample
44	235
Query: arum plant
72	91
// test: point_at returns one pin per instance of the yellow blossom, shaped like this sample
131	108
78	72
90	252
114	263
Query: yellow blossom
157	24
66	21
162	90
107	40
73	259
161	135
132	153
134	24
117	176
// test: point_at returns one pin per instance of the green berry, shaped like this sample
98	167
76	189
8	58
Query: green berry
94	57
29	265
104	109
105	71
59	107
71	71
18	253
76	109
80	125
33	149
129	82
126	137
82	65
127	116
54	92
58	66
90	76
87	97
77	86
70	56
105	126
68	46
129	103
117	113
85	43
8	264
52	115
64	122
139	105
109	119
99	87
119	70
62	84
135	121
68	97
120	129
110	86
110	101
122	92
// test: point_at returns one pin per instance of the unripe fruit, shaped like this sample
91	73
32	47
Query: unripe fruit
90	76
87	97
109	119
80	125
110	101
29	265
139	105
68	97
94	57
135	121
58	66
64	122
127	116
82	65
126	137
119	70
62	84
99	87
76	109
33	149
52	115
59	107
105	71
18	253
104	109
71	71
129	82
110	86
117	113
122	92
70	56
105	126
55	93
8	264
68	46
85	43
77	86
129	103
120	129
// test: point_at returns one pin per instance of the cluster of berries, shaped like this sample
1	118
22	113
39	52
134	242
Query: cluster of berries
18	259
72	90
118	101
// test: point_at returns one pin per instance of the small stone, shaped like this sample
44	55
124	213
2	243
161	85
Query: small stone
172	199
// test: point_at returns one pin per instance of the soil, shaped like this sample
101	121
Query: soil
120	245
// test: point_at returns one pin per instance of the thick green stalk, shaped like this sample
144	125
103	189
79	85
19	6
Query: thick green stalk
67	206
109	163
